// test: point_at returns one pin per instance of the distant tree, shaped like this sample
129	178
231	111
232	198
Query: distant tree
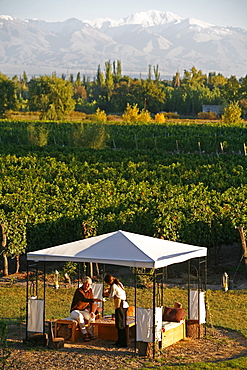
243	96
109	82
243	88
13	238
52	96
156	73
80	93
214	80
21	89
71	78
153	96
120	95
7	94
78	79
231	91
145	94
149	72
193	78
243	106
100	80
176	80
117	71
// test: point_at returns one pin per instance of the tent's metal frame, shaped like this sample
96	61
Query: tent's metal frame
159	277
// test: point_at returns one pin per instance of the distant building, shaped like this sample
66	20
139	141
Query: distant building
217	109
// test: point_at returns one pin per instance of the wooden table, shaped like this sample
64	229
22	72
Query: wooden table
106	329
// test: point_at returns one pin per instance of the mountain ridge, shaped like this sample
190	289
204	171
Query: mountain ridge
152	37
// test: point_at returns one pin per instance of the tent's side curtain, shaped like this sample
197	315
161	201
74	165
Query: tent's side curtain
144	324
196	301
35	315
97	289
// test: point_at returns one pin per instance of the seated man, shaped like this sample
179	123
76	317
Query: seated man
83	307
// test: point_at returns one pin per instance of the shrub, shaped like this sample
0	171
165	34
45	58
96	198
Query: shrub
207	115
144	116
170	115
232	114
131	114
160	118
100	116
86	107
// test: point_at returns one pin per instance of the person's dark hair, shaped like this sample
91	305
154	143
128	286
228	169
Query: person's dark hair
109	278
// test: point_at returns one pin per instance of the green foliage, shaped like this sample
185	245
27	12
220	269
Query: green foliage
145	277
15	229
193	77
38	134
87	107
7	94
70	268
52	96
153	185
112	92
95	136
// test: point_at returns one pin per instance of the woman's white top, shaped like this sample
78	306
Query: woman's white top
118	293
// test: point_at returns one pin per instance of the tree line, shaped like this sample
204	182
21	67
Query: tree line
55	97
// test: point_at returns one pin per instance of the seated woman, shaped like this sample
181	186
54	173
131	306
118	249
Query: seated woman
83	307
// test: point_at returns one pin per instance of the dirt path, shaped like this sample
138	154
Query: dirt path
217	345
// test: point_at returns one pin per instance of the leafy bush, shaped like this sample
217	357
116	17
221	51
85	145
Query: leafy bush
159	118
83	106
232	114
132	114
144	116
100	116
207	115
170	115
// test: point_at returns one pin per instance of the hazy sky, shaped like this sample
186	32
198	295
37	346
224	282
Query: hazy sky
219	12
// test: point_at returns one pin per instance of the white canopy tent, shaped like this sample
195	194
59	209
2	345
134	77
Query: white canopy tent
121	248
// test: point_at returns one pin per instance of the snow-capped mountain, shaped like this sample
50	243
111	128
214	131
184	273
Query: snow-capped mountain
157	38
145	19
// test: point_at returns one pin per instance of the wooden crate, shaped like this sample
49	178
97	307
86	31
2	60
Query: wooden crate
173	334
106	329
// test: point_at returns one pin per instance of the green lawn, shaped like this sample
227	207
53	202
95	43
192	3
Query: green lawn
226	309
